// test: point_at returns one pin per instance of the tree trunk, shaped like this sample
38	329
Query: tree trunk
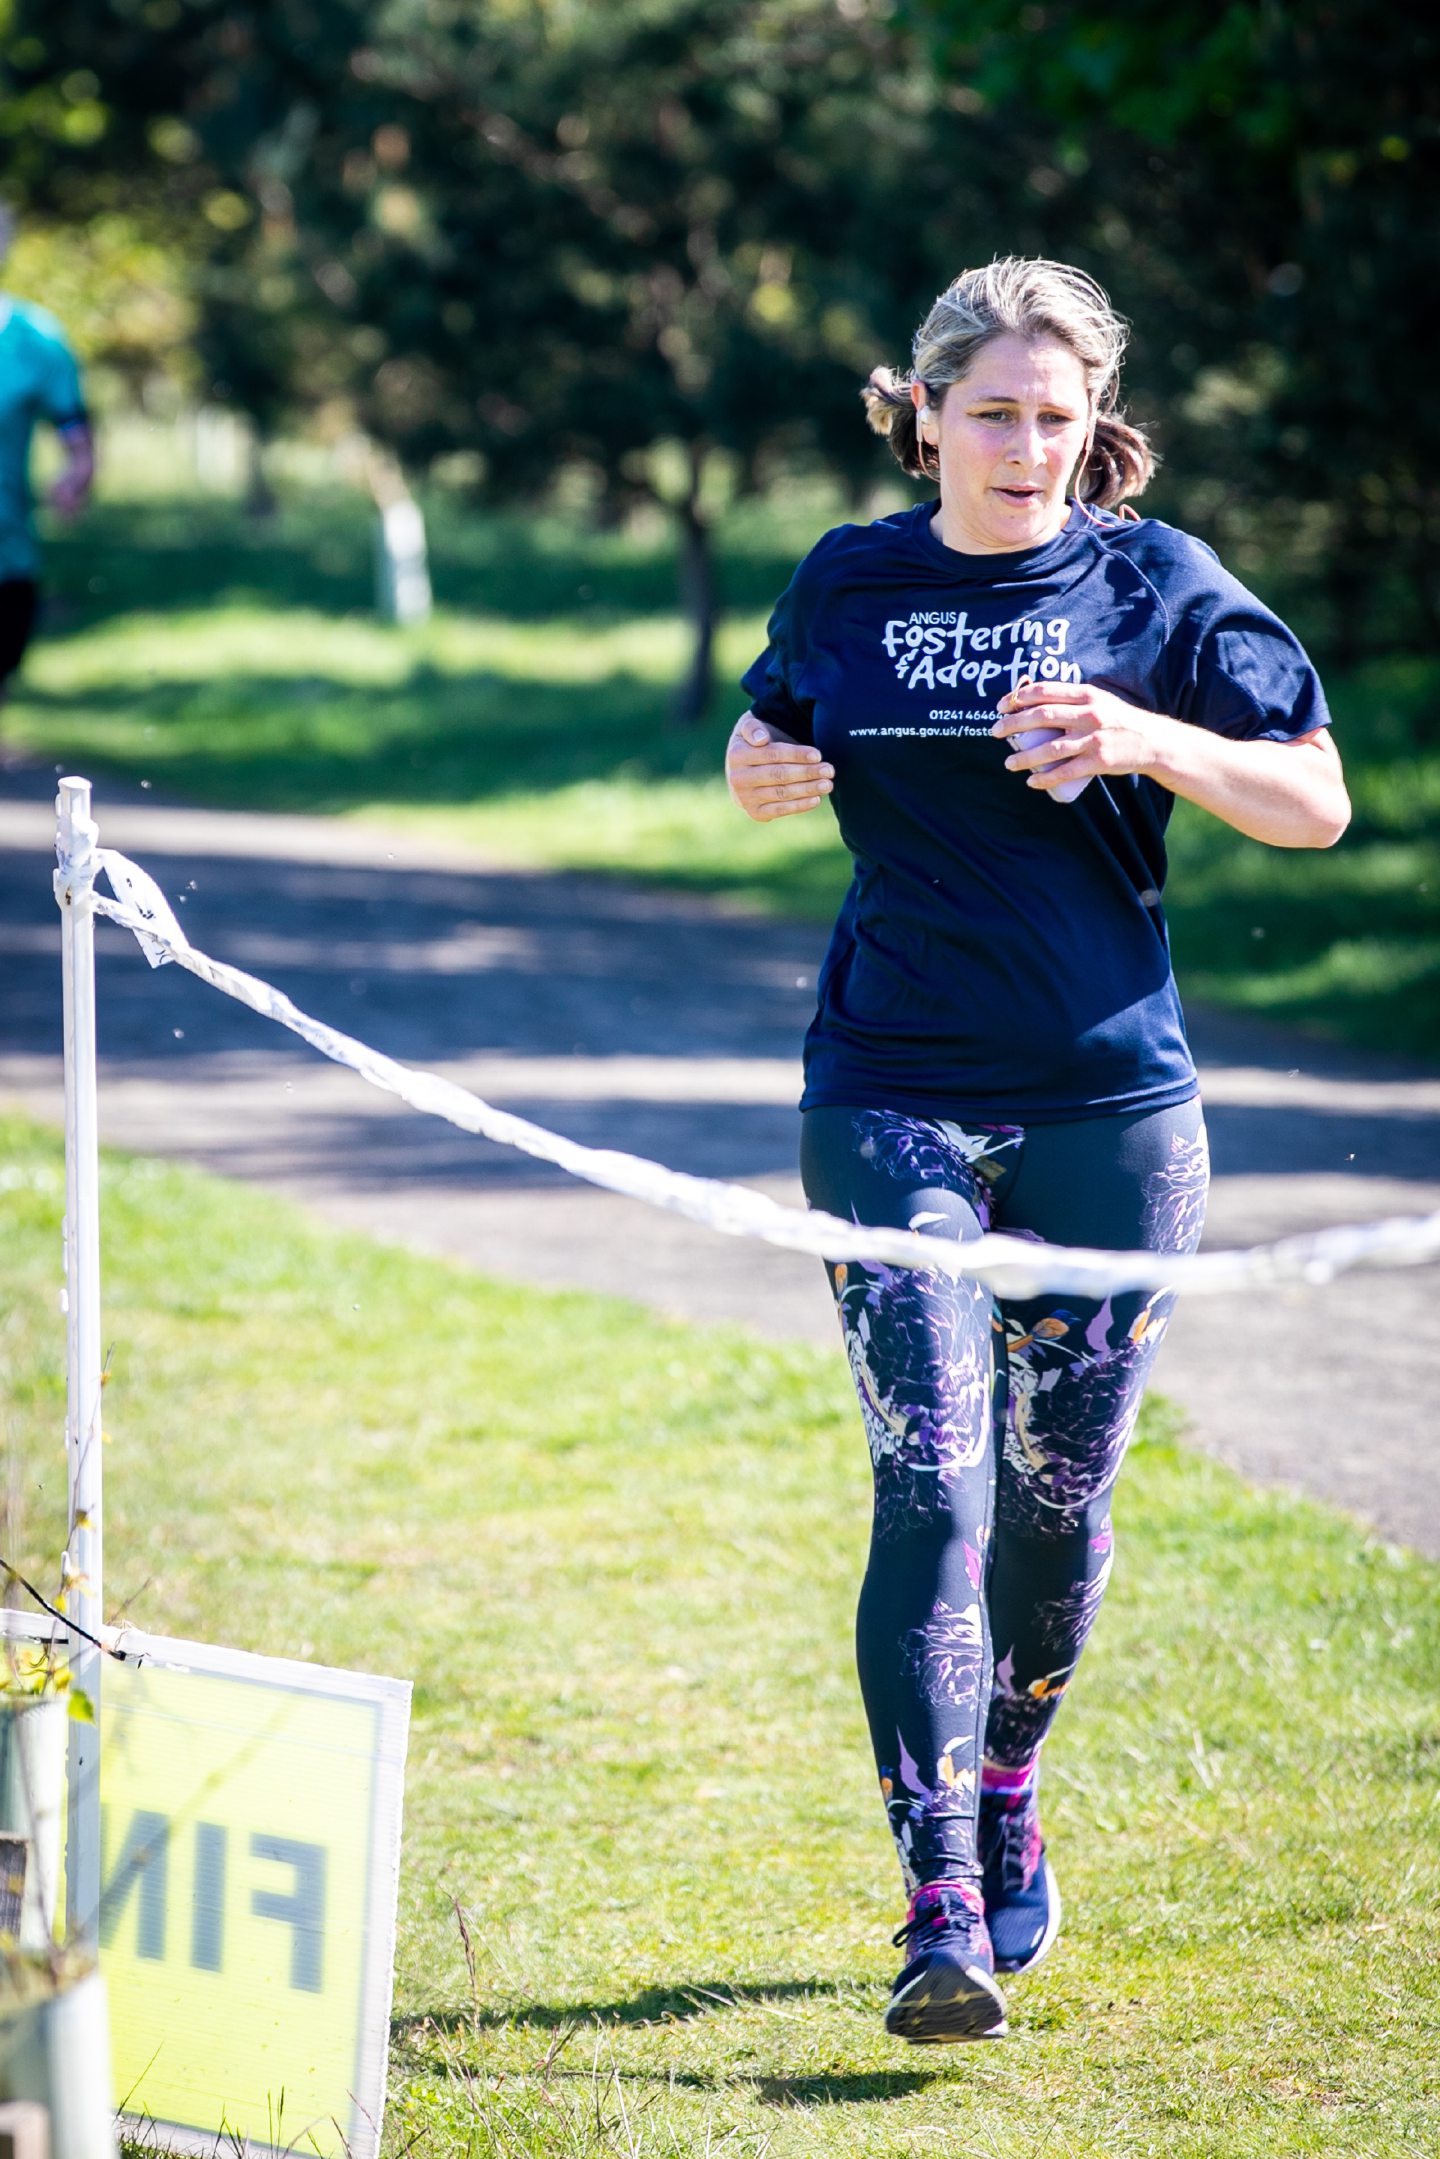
699	600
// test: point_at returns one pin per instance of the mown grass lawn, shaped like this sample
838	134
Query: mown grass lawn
618	1557
236	664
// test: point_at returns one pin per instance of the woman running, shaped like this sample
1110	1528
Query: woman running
1003	691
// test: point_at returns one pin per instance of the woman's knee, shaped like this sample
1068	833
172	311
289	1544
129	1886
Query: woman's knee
922	1359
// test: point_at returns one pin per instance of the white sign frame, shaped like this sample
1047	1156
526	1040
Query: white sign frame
390	1698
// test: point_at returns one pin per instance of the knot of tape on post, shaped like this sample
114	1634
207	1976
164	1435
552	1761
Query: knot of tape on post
139	894
75	845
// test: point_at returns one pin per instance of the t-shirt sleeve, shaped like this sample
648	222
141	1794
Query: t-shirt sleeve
772	681
61	395
1239	671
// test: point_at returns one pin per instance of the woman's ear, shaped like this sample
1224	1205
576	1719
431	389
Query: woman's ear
924	417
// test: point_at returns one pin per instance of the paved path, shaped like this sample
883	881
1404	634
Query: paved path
670	1027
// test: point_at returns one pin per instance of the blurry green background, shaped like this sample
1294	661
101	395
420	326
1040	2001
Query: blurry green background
599	285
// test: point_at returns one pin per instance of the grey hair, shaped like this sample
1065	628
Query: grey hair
1029	297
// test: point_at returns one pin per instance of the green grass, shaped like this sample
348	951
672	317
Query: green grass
236	665
618	1557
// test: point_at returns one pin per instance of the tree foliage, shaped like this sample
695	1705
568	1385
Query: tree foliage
1260	182
660	245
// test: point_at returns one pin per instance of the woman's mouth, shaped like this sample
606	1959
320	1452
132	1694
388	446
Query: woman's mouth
1019	494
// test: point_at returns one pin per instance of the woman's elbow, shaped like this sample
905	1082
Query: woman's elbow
1331	819
1319	799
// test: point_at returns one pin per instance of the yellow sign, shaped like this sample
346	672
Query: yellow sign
250	1854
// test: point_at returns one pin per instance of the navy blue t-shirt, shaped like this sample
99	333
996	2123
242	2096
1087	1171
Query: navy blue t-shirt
1001	955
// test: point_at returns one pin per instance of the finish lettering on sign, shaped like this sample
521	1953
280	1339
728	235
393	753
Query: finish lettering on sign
303	1911
141	1875
143	1866
207	1907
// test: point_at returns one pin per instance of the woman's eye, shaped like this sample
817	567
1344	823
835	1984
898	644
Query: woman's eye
1047	419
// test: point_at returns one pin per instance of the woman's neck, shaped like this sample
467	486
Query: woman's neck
952	532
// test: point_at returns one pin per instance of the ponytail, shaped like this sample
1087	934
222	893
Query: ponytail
890	410
1120	463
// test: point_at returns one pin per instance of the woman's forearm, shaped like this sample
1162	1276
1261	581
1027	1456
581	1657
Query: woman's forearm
69	492
1289	794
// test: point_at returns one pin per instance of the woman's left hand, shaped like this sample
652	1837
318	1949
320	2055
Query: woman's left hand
1286	793
1098	732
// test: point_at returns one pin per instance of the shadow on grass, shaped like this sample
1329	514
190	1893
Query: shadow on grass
298	741
653	2005
680	2005
1356	961
842	2091
867	2087
181	555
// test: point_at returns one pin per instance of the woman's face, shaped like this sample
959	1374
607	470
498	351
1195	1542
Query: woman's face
1009	434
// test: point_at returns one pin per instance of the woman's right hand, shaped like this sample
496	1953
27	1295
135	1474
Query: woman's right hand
770	775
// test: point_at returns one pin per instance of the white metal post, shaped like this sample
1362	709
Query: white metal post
402	569
74	885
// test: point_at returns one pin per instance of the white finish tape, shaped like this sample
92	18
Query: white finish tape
1011	1266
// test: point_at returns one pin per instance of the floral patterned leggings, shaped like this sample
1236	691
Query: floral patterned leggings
997	1429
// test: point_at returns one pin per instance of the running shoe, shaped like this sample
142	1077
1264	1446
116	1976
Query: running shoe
947	1991
1022	1899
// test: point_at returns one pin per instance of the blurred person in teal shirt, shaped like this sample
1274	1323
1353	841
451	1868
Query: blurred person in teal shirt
39	380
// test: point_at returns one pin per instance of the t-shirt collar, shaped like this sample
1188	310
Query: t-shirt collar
1004	568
